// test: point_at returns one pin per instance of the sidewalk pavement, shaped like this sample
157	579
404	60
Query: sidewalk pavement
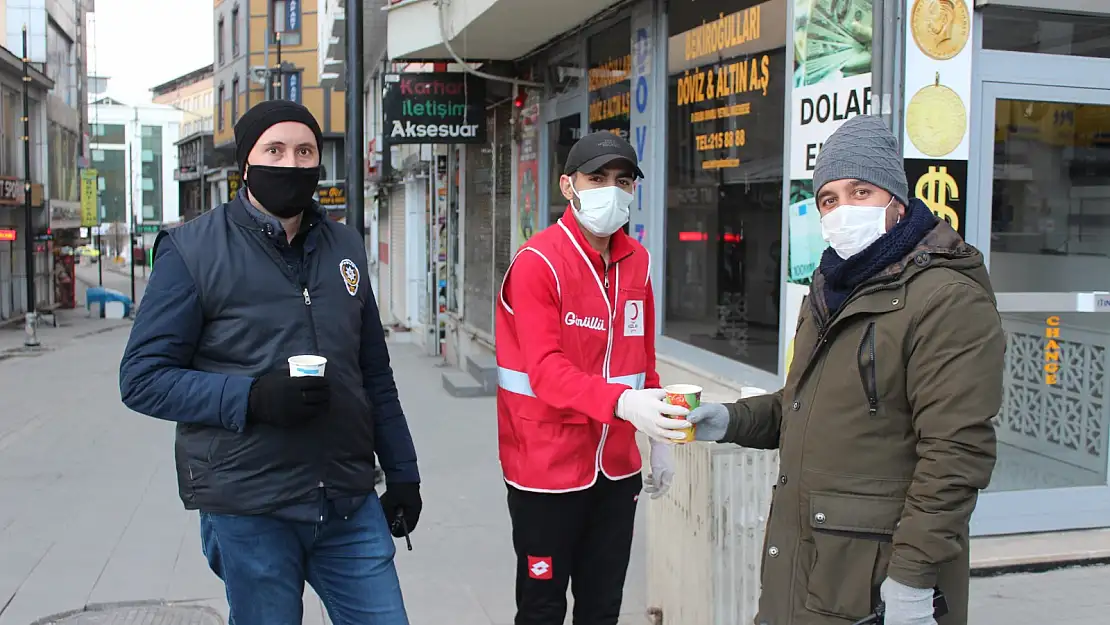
72	325
89	513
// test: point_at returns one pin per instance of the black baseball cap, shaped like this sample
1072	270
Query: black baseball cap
598	149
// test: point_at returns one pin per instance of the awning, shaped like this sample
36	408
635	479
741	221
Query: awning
482	29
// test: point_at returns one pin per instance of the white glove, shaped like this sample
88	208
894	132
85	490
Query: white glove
644	409
658	482
906	605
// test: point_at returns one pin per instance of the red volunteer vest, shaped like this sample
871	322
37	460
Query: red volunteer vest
546	449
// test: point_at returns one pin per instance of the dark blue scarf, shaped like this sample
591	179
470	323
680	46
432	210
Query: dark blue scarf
842	276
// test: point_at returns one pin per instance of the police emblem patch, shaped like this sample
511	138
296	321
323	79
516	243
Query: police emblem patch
349	270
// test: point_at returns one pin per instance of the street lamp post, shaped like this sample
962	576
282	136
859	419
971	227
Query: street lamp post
356	168
132	236
31	319
278	75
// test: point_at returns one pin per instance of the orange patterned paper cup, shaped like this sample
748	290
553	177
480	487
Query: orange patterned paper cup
685	395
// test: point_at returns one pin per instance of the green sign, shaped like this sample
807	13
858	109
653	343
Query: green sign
148	228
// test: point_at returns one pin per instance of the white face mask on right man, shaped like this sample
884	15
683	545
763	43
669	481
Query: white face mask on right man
850	229
604	210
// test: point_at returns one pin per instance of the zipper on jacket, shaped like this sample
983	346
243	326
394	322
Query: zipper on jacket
605	274
608	356
311	320
867	374
824	330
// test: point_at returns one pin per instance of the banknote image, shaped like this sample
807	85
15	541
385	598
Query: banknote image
832	39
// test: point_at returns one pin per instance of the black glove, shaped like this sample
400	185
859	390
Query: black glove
284	401
403	499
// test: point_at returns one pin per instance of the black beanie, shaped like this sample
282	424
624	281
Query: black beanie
265	114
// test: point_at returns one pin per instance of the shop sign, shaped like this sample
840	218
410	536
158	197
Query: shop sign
716	95
939	50
1052	350
90	215
291	86
434	107
7	234
832	84
11	190
639	117
332	194
941	186
528	172
609	73
292	16
234	181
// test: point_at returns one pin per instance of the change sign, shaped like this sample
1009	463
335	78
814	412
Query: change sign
434	107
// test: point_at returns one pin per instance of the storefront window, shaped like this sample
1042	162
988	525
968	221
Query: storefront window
152	172
63	148
609	60
562	135
725	97
1050	234
1046	33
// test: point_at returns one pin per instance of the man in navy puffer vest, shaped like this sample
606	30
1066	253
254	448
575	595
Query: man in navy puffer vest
281	468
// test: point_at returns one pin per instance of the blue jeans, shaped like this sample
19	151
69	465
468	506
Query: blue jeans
264	563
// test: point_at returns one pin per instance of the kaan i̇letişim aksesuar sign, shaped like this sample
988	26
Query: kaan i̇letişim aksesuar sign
433	107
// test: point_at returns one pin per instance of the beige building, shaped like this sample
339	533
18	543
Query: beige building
267	49
194	95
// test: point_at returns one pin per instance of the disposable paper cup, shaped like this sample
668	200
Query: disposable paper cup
685	395
307	366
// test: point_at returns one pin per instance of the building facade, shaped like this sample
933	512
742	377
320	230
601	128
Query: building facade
56	49
193	94
1004	116
268	49
13	229
56	44
134	153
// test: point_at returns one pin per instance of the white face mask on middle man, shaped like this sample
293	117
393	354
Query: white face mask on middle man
602	210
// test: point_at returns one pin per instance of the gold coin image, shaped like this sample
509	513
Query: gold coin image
941	28
936	120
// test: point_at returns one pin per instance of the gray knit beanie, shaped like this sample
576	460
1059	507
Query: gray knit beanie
863	149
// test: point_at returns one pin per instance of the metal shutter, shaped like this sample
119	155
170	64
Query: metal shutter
503	195
478	273
385	261
397	289
6	281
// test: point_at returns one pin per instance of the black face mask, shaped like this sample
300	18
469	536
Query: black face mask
284	192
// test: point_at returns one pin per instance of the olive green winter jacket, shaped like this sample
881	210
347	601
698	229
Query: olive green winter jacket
885	435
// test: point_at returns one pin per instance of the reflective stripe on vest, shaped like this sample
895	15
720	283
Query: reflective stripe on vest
517	381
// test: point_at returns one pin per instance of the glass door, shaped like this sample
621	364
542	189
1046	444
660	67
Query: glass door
1046	186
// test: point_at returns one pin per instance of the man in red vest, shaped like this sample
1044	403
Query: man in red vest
576	366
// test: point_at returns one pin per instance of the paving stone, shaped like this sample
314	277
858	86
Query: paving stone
138	614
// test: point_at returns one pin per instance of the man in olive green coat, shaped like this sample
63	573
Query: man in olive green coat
884	426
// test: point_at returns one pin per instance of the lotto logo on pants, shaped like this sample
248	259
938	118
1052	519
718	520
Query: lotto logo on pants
539	568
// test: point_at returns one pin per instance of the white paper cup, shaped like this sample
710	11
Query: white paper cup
307	366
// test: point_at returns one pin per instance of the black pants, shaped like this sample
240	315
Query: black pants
584	538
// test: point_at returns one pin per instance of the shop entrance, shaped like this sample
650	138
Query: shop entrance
1044	223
